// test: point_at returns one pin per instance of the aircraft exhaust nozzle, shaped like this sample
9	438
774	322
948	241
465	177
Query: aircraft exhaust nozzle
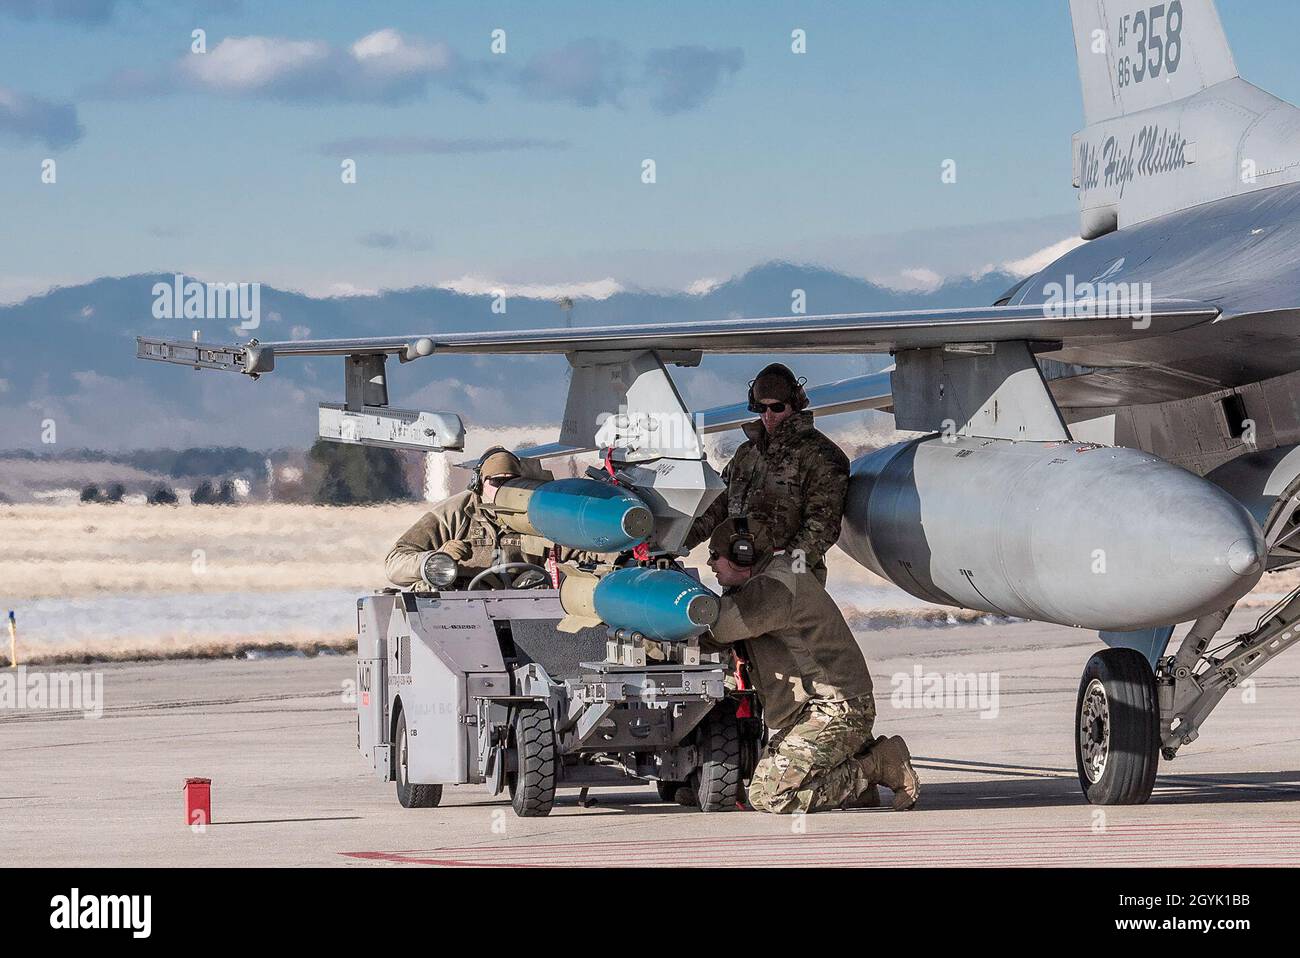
662	604
578	513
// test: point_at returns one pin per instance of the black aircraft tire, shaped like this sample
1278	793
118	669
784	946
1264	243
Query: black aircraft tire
717	780
1117	729
410	796
532	784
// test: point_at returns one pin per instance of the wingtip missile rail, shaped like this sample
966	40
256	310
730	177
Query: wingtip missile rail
252	359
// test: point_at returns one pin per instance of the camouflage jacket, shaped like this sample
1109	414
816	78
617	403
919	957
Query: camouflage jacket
464	518
794	482
795	639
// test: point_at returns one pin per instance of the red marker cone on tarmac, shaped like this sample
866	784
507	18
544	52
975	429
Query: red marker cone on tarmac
198	803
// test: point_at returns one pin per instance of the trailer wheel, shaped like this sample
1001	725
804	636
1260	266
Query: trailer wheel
532	783
411	796
717	780
1117	729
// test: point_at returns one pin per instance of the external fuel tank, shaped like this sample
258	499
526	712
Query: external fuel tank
1081	535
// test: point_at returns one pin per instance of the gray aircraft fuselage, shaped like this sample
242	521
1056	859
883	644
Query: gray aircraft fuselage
1241	254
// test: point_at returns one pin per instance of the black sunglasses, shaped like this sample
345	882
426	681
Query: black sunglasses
777	407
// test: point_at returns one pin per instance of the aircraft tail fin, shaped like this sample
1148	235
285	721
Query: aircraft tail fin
1134	55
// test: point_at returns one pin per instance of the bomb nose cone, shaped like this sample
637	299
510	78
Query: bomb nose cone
638	523
703	610
1245	556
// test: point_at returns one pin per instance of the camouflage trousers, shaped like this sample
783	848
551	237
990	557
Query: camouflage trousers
812	765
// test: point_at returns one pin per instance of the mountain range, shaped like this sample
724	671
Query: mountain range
68	371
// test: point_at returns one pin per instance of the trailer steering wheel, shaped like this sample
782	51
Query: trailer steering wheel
511	575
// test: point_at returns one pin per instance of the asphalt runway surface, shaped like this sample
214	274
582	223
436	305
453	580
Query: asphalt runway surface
277	738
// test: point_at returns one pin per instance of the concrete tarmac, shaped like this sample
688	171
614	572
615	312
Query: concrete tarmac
289	787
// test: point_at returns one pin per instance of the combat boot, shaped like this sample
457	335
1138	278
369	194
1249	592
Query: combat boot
890	763
868	799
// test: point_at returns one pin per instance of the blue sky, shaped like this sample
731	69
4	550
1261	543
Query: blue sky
521	168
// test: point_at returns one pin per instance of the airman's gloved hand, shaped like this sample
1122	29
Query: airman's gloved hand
457	549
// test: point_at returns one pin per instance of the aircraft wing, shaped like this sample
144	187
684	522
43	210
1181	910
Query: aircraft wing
845	395
839	333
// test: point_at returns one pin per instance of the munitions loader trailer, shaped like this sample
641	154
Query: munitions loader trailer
478	687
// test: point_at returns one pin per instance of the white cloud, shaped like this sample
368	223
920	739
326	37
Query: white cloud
475	286
381	67
918	279
922	278
346	289
1021	268
387	66
702	287
926	280
387	51
247	64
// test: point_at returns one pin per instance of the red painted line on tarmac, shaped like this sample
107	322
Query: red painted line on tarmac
1058	861
810	842
889	839
450	862
1135	830
1090	844
911	835
1121	844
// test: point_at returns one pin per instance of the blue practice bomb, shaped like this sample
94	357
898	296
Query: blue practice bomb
578	513
663	604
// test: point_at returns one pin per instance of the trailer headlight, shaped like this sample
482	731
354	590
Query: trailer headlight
440	570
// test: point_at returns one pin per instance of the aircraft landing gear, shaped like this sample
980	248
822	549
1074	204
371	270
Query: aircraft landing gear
1127	717
1117	728
1195	679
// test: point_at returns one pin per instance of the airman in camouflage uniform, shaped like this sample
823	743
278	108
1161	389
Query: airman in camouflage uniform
788	475
464	528
812	680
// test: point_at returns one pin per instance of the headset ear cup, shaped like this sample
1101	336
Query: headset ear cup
742	550
476	477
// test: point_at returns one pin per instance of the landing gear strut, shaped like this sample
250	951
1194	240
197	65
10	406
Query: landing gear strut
1128	716
1196	679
